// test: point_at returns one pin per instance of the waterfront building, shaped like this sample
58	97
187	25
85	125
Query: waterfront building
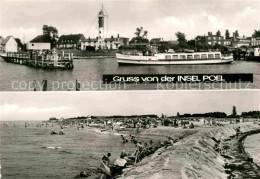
19	44
111	43
241	41
41	42
70	41
227	42
255	41
9	44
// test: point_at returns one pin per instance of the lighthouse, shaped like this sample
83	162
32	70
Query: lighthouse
101	29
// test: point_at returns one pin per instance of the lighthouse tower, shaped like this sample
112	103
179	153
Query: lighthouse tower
101	29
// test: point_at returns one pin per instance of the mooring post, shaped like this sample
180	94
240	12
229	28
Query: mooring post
44	86
77	85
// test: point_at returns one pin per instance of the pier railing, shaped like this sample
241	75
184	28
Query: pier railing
45	59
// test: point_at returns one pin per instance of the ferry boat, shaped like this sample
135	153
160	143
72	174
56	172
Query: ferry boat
175	58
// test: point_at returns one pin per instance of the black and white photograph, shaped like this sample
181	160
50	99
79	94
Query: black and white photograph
166	134
69	45
129	89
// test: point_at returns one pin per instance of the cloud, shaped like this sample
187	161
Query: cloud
248	12
35	109
215	22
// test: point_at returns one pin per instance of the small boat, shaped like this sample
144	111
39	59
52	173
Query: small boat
185	58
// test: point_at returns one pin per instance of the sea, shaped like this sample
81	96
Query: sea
31	152
89	73
252	147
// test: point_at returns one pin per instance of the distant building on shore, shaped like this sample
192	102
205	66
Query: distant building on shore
210	39
41	42
9	44
255	41
111	43
100	42
70	41
234	41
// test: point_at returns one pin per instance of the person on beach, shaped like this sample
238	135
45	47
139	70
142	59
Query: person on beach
104	166
169	142
106	159
237	131
139	151
124	140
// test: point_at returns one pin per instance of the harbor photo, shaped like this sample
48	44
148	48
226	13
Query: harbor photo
69	46
160	134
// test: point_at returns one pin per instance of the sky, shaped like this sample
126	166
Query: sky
162	18
43	105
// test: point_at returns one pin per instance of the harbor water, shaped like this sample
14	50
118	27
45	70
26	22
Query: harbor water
252	147
33	153
89	73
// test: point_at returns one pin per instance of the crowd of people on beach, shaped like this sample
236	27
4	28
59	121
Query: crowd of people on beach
125	159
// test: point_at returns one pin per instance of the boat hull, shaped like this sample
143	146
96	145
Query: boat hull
144	60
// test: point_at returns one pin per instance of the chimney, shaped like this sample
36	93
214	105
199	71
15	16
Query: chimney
112	37
118	36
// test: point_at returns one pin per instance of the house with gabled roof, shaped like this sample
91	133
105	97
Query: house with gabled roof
9	44
19	44
70	41
41	42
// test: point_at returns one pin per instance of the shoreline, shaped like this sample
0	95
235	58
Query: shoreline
196	156
243	165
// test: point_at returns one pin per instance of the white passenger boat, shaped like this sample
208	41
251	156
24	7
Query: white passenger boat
175	58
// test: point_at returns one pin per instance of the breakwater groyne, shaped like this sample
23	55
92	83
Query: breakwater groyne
208	153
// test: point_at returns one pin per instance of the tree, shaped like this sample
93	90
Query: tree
234	111
236	33
178	114
50	32
256	33
227	35
218	33
191	43
140	32
181	39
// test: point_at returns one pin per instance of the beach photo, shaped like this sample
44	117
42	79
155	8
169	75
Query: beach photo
134	134
67	45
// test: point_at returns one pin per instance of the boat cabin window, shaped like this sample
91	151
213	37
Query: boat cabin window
175	57
189	57
197	56
203	55
167	57
211	56
182	56
217	55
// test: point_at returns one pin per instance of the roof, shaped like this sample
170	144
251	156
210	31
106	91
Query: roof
74	37
41	38
139	44
109	39
19	43
90	40
174	42
6	39
155	40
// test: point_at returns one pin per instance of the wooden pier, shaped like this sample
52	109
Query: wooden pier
44	60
